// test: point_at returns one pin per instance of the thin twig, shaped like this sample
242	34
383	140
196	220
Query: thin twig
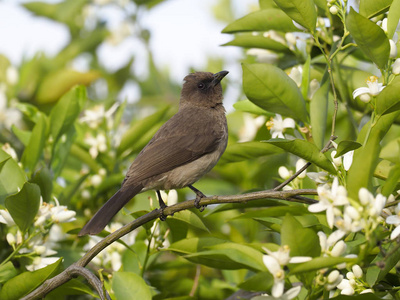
195	281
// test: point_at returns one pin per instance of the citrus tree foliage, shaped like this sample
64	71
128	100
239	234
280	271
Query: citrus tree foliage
320	86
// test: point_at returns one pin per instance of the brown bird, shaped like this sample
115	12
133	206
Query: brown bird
185	148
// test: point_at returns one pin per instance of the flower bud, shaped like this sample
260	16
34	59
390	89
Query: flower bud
284	172
396	67
393	49
358	273
10	239
339	249
334	10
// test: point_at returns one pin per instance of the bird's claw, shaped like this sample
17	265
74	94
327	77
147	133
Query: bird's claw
197	203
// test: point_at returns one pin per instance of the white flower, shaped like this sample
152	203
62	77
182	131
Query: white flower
263	55
329	197
275	261
396	67
97	144
288	295
95	116
41	262
169	198
277	271
296	74
250	127
373	205
346	287
6	218
12	75
395	220
8	115
334	278
274	35
319	177
373	89
277	125
348	160
393	49
284	173
337	161
61	214
299	164
314	86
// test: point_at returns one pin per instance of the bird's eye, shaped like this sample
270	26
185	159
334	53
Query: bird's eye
201	85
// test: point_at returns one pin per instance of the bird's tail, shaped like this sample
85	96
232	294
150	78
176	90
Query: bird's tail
109	210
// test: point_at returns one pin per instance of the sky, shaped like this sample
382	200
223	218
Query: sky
183	34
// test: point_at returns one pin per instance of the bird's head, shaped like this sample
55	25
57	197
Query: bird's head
203	89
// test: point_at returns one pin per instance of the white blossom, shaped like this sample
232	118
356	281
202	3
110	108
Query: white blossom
277	125
373	89
396	67
329	197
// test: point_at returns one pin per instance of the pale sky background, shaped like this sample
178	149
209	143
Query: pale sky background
184	33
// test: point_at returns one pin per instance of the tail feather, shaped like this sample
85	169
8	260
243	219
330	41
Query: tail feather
103	216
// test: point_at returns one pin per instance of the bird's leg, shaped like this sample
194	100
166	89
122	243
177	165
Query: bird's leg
199	195
162	206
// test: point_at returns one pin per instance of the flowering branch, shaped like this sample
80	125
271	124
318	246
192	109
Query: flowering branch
76	268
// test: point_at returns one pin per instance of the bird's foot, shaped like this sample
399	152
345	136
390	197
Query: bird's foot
163	206
199	196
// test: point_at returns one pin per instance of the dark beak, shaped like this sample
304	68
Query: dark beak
218	77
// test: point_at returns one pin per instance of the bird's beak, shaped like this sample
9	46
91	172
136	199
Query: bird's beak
218	77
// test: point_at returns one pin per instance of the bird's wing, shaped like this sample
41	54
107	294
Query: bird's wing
166	153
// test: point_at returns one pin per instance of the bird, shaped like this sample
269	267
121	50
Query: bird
185	148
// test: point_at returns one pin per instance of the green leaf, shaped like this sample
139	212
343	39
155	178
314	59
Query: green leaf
3	162
229	256
72	287
12	177
24	205
393	18
388	99
7	271
391	183
248	150
366	158
34	149
127	286
26	282
58	83
371	8
248	40
136	133
270	88
391	151
346	146
370	38
305	150
319	111
43	178
301	241
301	11
262	281
188	218
66	111
319	263
62	151
250	107
375	272
262	20
23	135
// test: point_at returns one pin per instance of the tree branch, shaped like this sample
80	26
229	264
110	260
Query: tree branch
78	267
